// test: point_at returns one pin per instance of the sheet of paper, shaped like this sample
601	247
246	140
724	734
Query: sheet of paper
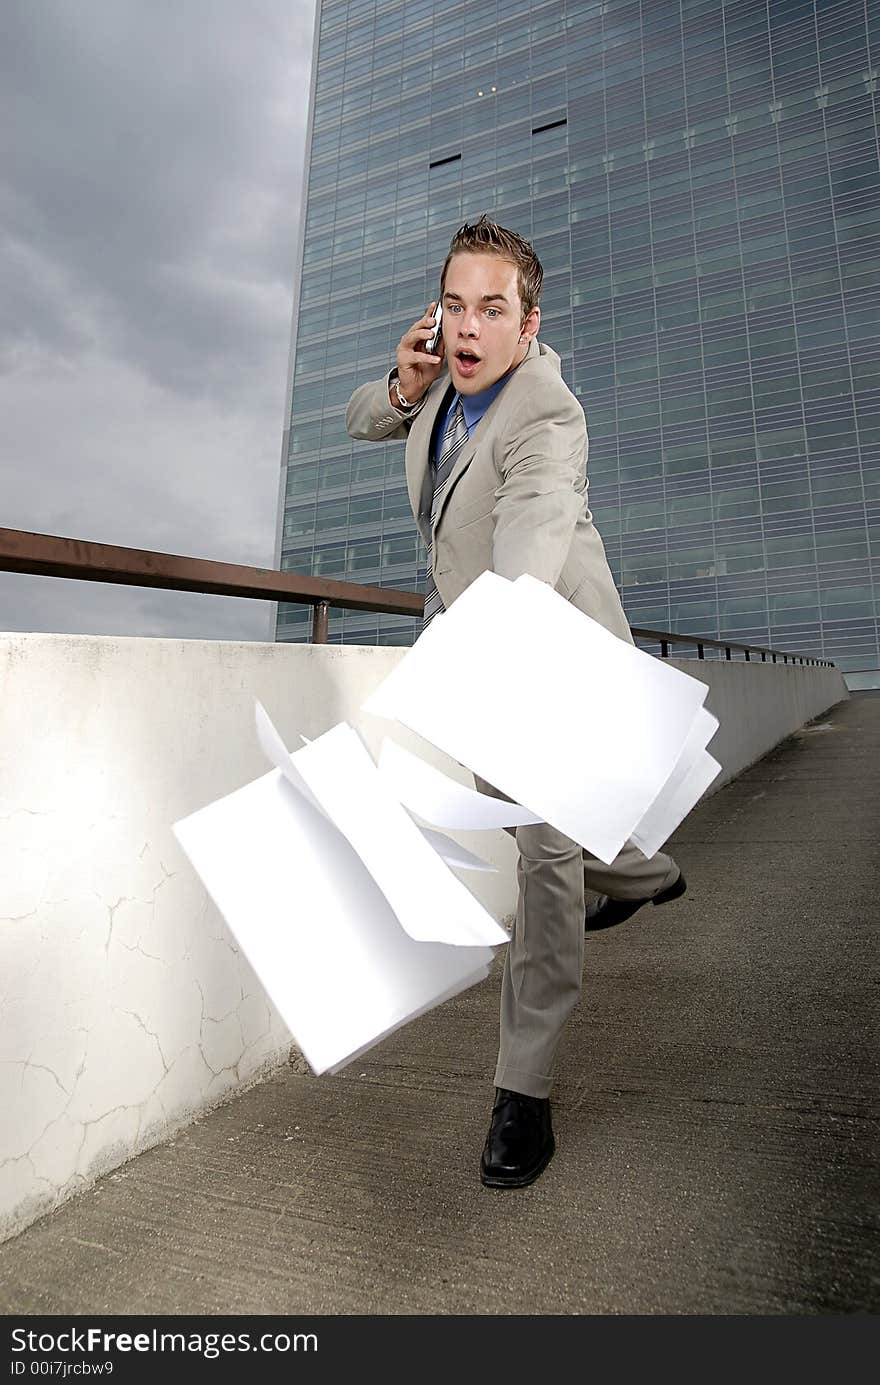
462	985
273	747
432	795
581	727
694	771
430	902
314	925
276	753
453	853
652	832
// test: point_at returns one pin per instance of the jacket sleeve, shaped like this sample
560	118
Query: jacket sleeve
542	493
370	415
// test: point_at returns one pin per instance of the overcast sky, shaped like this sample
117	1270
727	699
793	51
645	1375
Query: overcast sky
151	156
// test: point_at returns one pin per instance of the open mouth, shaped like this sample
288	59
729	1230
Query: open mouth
467	359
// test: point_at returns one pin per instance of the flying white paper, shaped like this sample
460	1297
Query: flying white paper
693	773
314	925
432	795
579	726
453	853
431	903
343	967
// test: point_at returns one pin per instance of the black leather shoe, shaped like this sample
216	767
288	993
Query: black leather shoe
520	1142
605	912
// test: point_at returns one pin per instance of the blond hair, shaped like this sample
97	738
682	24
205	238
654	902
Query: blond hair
486	237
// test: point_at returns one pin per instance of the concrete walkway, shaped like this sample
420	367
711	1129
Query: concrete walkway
715	1115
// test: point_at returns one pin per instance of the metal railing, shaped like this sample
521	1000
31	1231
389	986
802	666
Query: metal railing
665	638
50	556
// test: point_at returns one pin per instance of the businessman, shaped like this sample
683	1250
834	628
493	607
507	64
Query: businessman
496	451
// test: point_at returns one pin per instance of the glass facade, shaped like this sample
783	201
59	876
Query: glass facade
700	180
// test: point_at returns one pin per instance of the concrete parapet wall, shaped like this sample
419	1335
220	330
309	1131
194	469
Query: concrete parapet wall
127	1009
758	705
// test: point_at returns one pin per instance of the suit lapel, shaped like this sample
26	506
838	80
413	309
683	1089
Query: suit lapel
469	450
418	479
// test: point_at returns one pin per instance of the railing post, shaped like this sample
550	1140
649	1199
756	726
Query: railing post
748	657
664	649
699	651
320	622
727	652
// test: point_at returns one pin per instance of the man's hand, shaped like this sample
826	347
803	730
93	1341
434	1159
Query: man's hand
415	369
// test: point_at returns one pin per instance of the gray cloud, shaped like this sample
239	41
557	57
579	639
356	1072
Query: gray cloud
150	173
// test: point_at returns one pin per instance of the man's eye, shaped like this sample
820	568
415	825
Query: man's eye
492	310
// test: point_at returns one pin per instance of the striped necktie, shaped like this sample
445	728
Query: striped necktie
454	440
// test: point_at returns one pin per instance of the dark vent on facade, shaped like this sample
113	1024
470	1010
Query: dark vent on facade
438	163
553	125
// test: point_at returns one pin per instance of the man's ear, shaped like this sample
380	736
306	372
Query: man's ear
531	323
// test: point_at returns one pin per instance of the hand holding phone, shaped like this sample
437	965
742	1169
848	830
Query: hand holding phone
420	355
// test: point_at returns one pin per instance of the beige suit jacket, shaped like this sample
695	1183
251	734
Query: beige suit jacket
516	500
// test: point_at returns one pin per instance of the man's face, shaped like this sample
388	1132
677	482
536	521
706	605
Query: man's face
482	315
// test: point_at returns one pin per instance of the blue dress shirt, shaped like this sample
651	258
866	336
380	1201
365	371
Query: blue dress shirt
475	405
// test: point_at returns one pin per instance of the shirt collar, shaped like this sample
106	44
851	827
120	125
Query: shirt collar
475	405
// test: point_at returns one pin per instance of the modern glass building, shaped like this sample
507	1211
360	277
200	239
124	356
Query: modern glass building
700	180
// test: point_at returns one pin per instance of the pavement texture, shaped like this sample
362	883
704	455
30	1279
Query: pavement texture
715	1116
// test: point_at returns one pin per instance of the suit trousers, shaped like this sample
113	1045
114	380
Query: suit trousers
541	983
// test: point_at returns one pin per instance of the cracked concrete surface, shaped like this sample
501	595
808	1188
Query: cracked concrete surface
127	1008
162	1039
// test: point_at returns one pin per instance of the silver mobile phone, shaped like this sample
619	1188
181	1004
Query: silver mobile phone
432	342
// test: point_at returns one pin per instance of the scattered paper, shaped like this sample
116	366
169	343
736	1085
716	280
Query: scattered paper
277	753
345	907
314	925
432	904
343	965
694	771
453	853
580	727
432	795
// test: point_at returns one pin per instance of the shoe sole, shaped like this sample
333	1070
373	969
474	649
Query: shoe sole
489	1180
